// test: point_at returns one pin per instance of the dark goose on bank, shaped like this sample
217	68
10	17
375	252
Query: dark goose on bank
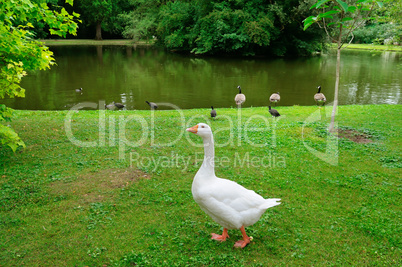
152	105
118	105
274	112
213	112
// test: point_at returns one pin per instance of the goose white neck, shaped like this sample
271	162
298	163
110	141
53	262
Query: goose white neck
208	165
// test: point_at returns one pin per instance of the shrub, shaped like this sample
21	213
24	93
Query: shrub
377	33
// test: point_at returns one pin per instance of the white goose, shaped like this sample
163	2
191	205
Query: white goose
228	203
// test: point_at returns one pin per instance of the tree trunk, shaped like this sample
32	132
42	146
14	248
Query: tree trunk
338	73
98	35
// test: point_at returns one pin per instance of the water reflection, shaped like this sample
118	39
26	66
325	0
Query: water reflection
131	75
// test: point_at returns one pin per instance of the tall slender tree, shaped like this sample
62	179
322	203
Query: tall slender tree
339	19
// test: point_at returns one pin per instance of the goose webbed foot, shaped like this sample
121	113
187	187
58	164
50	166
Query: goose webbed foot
246	240
220	237
242	243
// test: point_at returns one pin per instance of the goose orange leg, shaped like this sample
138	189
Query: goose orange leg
246	240
221	237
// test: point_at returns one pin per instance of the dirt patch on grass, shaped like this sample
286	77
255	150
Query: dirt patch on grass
118	178
95	187
354	136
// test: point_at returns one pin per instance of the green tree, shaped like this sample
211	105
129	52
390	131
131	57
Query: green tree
246	27
339	19
176	23
20	52
217	26
103	14
390	20
141	21
390	12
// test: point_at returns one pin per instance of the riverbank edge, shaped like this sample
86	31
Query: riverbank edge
372	47
205	111
127	42
80	42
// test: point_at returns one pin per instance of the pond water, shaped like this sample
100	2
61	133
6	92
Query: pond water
132	75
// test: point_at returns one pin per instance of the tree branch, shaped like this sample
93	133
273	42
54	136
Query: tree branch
325	27
356	25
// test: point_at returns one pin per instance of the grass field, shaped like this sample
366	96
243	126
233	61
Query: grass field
56	42
390	48
113	188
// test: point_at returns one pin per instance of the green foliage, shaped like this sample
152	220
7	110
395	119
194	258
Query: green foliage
7	136
238	28
141	22
389	27
223	27
20	53
104	14
176	20
222	30
378	33
139	26
335	15
96	10
390	12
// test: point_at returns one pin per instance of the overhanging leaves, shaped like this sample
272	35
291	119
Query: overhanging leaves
346	19
21	53
319	3
309	21
343	5
328	14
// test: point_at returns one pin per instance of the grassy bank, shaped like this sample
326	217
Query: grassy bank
56	42
390	48
125	198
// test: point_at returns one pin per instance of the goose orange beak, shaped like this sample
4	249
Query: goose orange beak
193	129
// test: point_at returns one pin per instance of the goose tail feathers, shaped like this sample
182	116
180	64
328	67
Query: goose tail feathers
270	202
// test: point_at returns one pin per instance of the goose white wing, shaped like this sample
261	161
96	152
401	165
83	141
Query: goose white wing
230	204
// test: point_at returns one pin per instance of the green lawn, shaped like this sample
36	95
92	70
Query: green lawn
55	42
125	199
390	48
